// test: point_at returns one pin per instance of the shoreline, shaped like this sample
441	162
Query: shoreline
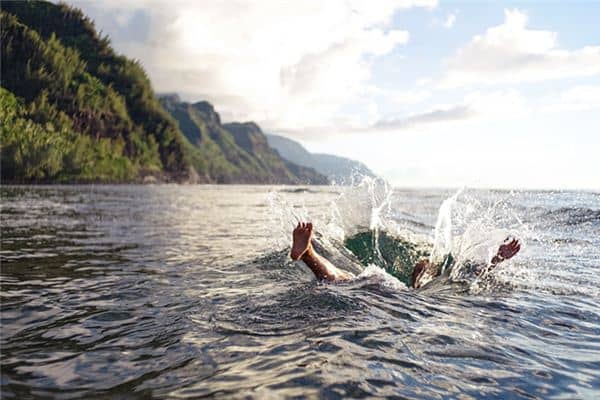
401	188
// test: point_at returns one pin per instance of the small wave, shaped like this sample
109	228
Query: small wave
574	215
570	241
412	221
302	190
375	273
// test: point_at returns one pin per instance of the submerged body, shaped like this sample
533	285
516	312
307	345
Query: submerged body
423	272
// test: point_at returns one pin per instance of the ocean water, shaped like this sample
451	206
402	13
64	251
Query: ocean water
187	291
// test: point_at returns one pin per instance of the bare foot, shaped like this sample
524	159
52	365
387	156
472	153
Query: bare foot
302	235
507	250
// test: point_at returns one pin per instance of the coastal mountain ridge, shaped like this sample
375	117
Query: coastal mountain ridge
337	169
73	110
233	152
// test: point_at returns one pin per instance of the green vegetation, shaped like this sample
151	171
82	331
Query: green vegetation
75	111
52	151
58	92
235	152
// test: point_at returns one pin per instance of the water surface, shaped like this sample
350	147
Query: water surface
186	291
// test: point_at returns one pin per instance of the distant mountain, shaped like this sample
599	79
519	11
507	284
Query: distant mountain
234	152
338	169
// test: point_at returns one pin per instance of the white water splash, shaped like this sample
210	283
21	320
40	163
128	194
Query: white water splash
373	273
442	243
470	224
283	217
380	204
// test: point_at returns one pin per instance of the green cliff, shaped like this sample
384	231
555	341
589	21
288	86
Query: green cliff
236	152
73	110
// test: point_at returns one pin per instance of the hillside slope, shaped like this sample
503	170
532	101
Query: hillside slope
338	169
235	152
73	110
53	58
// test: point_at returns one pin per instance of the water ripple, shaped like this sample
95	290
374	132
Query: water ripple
184	292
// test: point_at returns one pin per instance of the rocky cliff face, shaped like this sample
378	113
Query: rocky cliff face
234	152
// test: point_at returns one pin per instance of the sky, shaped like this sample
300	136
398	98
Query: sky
427	93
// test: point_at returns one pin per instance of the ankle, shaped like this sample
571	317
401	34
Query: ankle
308	254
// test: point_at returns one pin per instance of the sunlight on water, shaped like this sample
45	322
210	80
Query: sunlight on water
469	224
188	291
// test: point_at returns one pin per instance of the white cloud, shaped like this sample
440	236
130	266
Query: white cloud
435	116
409	96
578	98
287	65
499	104
476	106
511	52
450	20
583	97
